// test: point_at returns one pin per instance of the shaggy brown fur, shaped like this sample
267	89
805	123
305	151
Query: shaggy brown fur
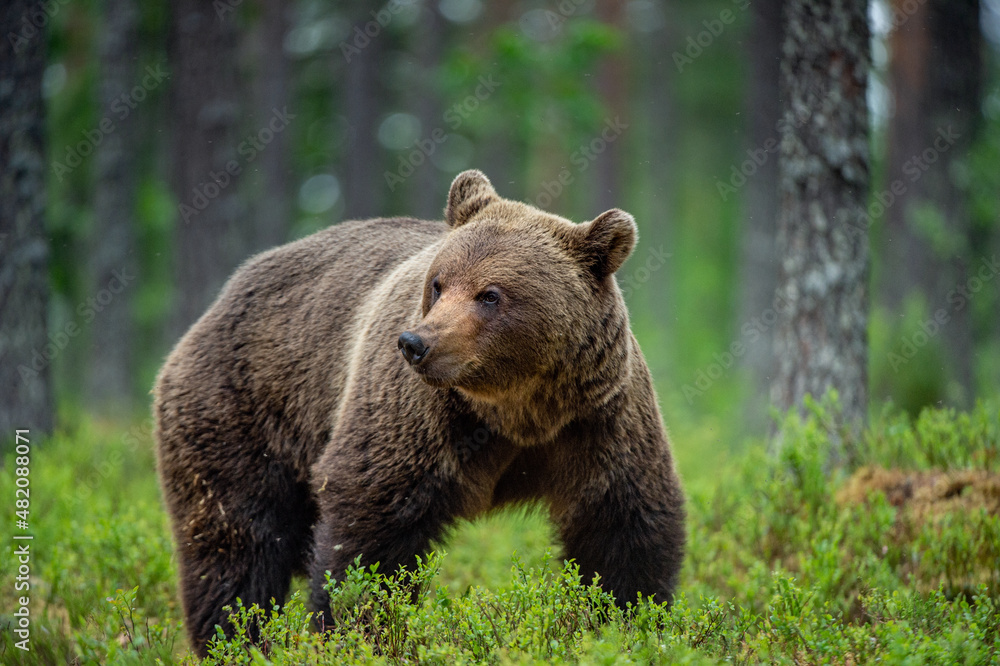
294	436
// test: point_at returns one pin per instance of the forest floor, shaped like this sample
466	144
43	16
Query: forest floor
891	557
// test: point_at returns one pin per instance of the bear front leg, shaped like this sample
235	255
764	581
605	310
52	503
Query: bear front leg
628	526
389	521
234	541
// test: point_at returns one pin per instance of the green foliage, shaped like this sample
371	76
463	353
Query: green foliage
894	367
937	438
789	561
541	132
154	293
102	582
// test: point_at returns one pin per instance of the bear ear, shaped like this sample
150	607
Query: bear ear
607	242
470	192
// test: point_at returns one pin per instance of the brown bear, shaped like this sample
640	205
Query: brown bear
356	391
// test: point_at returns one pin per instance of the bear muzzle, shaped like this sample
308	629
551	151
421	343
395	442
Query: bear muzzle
435	361
413	348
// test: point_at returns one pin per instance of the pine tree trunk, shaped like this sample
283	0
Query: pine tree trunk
936	80
205	113
759	268
821	338
656	81
364	182
110	361
25	385
498	152
612	85
275	197
429	189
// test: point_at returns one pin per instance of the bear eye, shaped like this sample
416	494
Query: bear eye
435	287
490	297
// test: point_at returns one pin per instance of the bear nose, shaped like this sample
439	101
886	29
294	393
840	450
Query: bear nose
412	346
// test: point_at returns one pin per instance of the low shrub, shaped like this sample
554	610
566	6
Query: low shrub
890	555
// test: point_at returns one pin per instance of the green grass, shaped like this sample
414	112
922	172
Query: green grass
788	562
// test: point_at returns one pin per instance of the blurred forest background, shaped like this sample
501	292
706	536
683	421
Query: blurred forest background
182	137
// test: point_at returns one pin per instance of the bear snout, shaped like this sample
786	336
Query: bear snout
413	347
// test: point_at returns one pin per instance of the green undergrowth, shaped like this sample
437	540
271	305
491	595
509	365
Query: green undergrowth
890	554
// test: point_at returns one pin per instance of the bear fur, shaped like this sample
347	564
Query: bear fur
292	434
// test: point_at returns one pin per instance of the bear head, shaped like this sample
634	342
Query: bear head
513	291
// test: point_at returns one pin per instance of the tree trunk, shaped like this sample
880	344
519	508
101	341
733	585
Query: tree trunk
649	193
275	197
821	337
25	348
364	183
760	206
206	114
612	85
430	189
498	152
936	79
110	361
